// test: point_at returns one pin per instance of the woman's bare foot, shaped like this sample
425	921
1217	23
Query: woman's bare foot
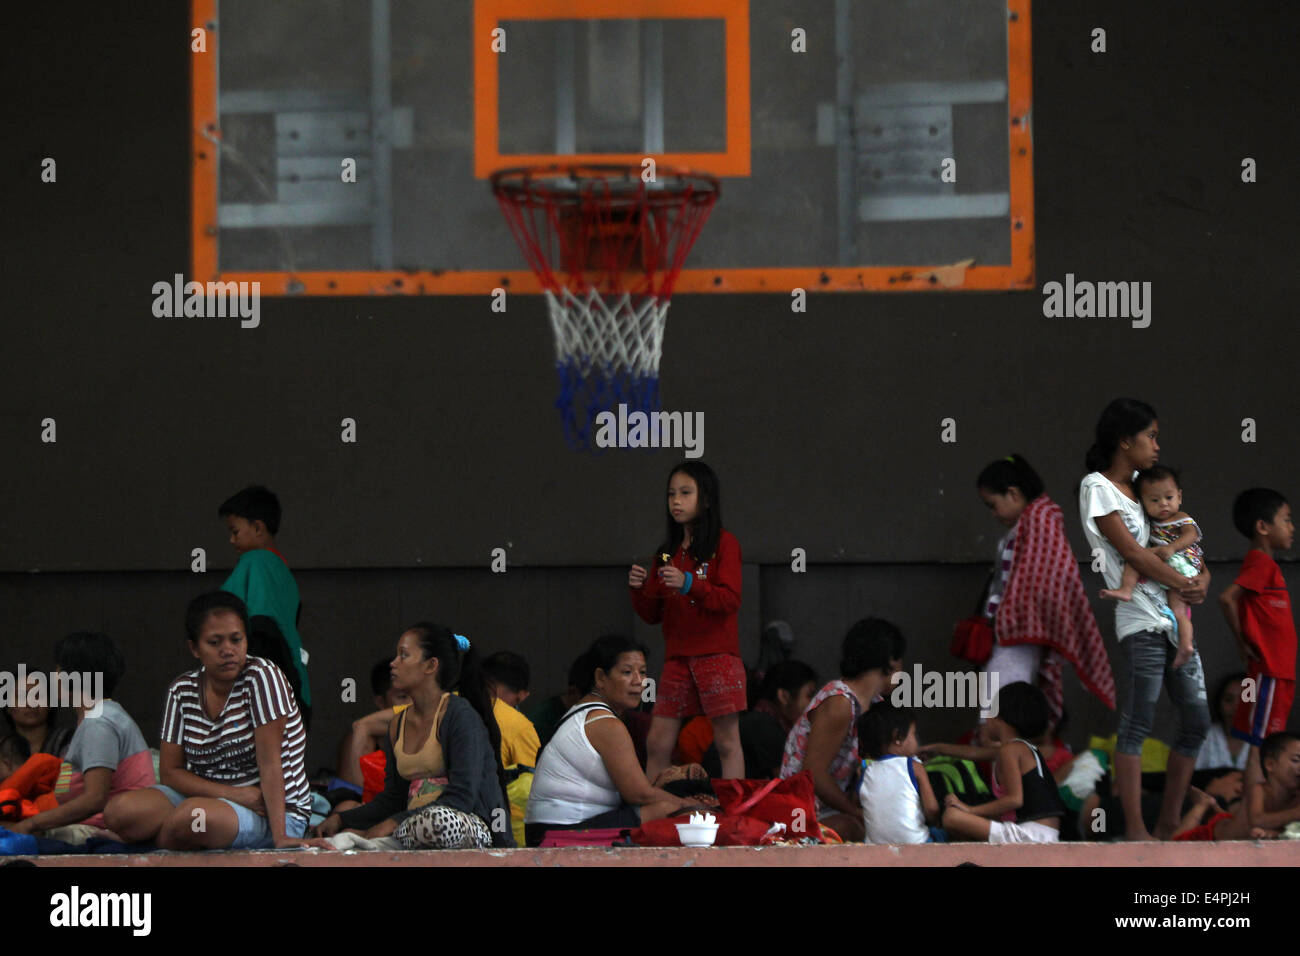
1164	831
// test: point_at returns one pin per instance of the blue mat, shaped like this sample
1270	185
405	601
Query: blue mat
24	844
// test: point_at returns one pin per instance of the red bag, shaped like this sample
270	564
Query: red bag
972	640
373	767
790	801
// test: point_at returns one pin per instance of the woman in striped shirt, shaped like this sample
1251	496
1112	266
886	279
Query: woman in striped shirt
232	752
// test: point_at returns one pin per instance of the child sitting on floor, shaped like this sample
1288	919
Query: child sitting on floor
1273	802
507	679
1030	790
896	796
978	746
365	739
107	754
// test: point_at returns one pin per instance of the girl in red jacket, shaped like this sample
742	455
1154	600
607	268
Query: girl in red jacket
695	592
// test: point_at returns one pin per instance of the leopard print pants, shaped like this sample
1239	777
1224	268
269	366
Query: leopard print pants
442	828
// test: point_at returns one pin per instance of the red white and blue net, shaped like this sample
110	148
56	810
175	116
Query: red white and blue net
607	246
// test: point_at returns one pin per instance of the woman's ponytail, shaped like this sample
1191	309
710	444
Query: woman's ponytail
1098	458
1122	418
474	688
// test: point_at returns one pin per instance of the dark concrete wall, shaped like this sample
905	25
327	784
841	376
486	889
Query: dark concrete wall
823	426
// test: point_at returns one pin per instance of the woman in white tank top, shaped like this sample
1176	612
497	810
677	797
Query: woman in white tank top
571	783
588	776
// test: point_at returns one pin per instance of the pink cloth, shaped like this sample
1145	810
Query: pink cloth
1045	603
133	773
580	837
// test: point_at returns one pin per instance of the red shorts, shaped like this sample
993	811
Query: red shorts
713	685
1267	713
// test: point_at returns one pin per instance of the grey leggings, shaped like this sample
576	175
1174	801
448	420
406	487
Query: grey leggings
1146	662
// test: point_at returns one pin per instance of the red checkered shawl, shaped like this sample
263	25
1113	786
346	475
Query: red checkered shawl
1044	603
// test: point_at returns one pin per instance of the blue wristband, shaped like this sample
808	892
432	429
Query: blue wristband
686	585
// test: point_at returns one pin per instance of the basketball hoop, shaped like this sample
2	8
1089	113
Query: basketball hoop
607	247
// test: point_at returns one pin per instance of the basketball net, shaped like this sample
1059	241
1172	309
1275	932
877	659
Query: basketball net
607	248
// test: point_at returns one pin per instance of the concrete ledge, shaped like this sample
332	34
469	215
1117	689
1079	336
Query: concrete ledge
1271	853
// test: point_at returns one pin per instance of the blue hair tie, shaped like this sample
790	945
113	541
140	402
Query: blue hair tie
462	642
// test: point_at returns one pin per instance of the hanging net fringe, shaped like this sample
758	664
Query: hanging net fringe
606	355
607	248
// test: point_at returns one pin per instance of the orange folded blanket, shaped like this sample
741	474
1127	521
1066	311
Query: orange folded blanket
29	790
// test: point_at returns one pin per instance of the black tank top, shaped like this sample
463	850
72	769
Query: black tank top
1041	799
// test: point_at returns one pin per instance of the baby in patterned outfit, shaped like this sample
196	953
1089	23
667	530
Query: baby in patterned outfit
1175	538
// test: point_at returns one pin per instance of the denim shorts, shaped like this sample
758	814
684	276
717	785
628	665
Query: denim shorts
254	829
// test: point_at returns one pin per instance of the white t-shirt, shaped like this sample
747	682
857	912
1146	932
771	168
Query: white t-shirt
1215	753
1098	496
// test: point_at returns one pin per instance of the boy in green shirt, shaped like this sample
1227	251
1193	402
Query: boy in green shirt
263	581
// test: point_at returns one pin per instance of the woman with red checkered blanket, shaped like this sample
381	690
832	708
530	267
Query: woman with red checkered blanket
1037	602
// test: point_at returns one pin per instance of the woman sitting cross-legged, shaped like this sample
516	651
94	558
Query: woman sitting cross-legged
444	787
588	776
232	750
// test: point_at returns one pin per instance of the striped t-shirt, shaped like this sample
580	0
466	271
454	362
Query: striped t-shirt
223	750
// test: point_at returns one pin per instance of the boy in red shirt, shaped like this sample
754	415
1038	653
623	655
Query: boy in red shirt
1258	609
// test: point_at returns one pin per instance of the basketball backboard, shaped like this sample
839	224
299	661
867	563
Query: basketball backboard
860	144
